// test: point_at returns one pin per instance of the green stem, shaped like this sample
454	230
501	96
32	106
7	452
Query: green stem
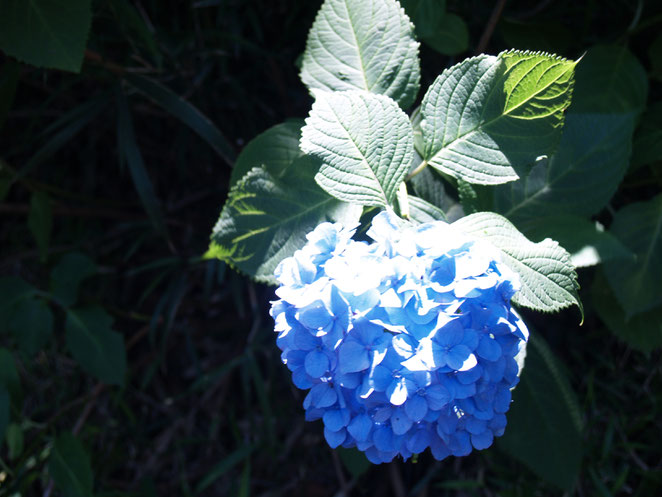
417	170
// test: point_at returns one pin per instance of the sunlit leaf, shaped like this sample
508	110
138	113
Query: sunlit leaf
363	45
365	143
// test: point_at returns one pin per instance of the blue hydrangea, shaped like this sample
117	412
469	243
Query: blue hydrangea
406	343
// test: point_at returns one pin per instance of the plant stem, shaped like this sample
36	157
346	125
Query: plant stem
417	170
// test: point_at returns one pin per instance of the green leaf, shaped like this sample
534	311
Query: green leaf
14	435
40	221
636	283
32	324
46	33
642	332
647	146
9	375
363	45
66	277
544	422
354	460
4	413
266	219
365	143
610	80
69	466
655	56
587	241
275	149
129	152
185	112
548	278
580	177
12	291
224	466
451	36
96	347
421	211
487	119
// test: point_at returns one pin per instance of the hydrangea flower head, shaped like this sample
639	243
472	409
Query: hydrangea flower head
405	343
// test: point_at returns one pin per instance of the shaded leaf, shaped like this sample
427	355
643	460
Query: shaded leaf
610	79
275	149
11	70
580	177
421	211
32	324
647	146
46	33
40	221
186	112
224	466
549	281
365	143
96	347
636	282
12	291
642	332
544	422
266	219
66	277
9	376
363	45
69	466
451	36
588	243
129	152
487	119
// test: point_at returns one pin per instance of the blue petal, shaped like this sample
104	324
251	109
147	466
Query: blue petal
488	348
314	315
460	444
322	395
475	426
400	422
360	427
439	449
482	440
502	400
352	357
383	438
438	396
419	440
457	355
416	408
335	438
301	379
317	363
336	419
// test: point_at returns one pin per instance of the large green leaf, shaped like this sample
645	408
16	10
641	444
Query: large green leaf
46	33
544	422
96	347
642	332
266	219
275	149
487	119
365	143
647	146
593	155
636	283
421	211
31	323
69	466
588	243
12	291
549	280
363	45
581	177
67	276
611	80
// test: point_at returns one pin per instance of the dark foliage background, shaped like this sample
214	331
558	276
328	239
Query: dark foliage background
206	407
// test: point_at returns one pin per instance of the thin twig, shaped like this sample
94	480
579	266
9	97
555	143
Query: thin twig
489	28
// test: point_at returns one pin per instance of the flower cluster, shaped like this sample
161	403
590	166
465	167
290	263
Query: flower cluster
405	343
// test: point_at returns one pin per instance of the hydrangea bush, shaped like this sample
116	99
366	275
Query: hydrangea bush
409	341
405	343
